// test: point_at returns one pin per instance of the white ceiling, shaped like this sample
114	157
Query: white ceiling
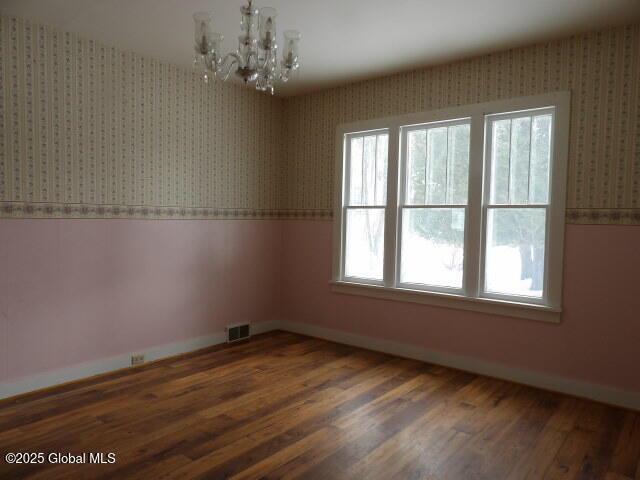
343	40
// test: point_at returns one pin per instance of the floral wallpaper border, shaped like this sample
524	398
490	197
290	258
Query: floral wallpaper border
603	216
578	216
66	210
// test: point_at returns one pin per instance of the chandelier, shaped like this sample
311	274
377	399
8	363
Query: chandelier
256	59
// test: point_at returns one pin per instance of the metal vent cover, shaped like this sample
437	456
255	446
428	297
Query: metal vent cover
236	333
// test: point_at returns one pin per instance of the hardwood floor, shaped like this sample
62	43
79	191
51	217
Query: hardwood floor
288	406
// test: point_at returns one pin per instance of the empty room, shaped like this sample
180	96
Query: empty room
340	239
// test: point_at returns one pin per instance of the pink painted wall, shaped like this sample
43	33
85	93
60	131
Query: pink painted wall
598	340
73	291
79	290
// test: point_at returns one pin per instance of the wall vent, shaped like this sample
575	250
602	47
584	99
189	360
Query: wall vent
236	333
137	359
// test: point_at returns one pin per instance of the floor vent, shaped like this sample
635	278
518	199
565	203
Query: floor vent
236	333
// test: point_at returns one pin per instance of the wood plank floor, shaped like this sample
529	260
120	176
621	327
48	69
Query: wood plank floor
288	406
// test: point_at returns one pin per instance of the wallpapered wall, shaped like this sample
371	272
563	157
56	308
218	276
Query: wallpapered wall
91	131
600	69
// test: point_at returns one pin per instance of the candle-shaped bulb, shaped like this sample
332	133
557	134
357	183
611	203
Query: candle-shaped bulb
267	25
290	56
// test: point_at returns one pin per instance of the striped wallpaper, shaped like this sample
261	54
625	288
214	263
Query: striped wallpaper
601	69
91	131
87	130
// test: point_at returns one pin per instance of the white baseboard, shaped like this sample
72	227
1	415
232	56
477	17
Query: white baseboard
568	386
88	369
600	393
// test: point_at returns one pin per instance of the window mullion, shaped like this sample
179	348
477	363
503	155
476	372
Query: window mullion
391	211
347	201
341	200
473	233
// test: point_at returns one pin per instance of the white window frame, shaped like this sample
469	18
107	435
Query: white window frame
345	202
402	170
471	296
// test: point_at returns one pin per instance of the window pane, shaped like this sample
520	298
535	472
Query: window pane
520	159
500	146
458	165
515	251
381	169
364	249
355	172
540	156
519	171
437	165
368	170
416	164
433	246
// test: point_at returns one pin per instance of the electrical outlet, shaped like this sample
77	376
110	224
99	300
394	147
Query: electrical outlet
137	359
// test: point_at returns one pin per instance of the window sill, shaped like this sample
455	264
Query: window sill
482	305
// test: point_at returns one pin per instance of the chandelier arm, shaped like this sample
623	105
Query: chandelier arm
227	65
257	59
234	56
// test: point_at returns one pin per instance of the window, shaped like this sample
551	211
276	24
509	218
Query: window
433	203
461	207
364	205
515	212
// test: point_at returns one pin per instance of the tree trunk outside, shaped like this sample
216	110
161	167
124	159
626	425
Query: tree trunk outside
526	262
537	277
